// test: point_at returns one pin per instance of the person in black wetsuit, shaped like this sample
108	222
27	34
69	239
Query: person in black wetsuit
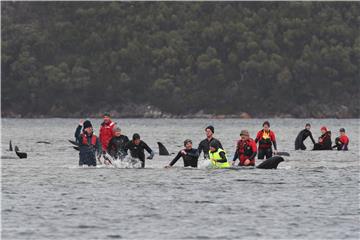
116	147
204	145
303	134
190	155
137	147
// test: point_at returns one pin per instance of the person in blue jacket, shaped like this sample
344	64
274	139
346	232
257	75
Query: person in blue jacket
89	144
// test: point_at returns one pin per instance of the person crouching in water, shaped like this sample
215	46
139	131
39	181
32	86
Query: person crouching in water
266	138
342	141
137	147
245	150
190	155
89	144
303	134
116	147
217	156
324	140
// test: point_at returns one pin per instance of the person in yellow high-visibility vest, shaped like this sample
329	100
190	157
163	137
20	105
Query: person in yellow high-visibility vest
217	156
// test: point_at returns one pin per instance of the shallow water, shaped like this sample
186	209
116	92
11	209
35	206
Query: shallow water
312	195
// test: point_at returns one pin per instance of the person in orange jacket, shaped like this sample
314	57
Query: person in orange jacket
266	138
245	150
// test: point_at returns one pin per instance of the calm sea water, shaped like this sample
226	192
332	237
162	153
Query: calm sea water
312	195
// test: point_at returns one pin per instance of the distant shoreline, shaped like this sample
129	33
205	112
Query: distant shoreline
149	111
175	117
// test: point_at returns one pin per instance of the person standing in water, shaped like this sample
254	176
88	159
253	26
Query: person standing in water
190	155
106	131
266	138
245	150
89	144
324	140
137	147
116	147
342	141
204	145
303	134
217	156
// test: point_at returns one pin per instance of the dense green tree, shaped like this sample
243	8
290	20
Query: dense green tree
264	58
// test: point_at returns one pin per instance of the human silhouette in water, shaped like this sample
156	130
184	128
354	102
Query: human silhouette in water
302	136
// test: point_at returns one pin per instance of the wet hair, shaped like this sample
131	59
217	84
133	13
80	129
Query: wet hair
136	136
266	123
187	141
212	129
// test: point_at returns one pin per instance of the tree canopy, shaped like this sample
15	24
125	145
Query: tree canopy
263	58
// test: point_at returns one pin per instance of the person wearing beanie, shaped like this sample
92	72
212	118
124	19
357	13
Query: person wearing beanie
245	150
189	155
303	134
324	142
342	142
204	145
106	131
116	147
137	149
217	156
266	138
87	124
89	144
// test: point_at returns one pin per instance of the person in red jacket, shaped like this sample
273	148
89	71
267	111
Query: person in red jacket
245	150
106	131
266	139
325	142
342	141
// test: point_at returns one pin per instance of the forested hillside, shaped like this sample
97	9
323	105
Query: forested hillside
297	59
